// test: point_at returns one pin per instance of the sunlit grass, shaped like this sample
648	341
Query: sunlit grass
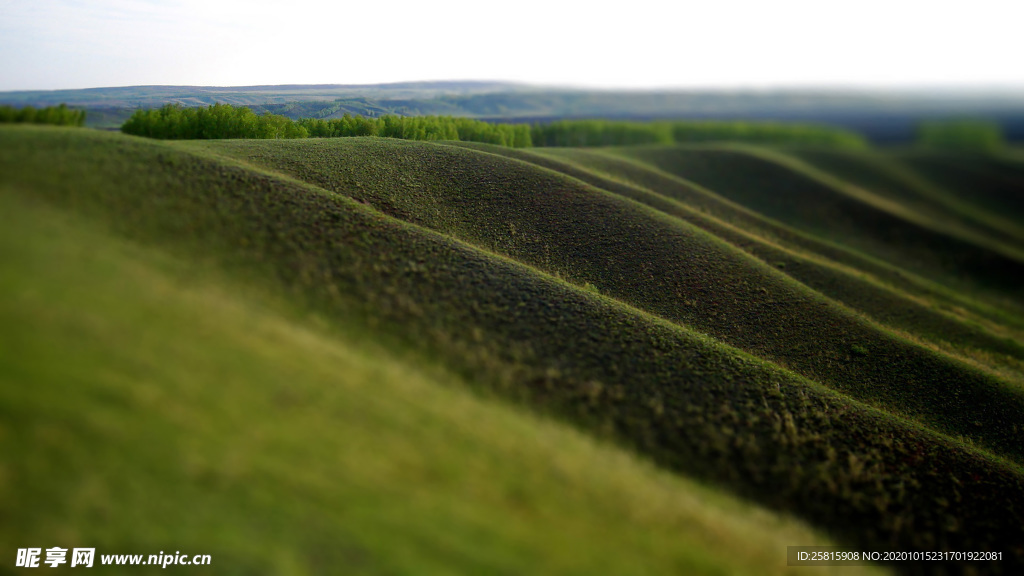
148	406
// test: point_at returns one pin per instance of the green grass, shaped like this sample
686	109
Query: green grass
148	405
992	184
793	193
498	285
624	175
890	177
661	265
916	310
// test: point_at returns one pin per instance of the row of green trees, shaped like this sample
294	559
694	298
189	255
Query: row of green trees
769	133
175	122
600	133
57	115
225	121
621	133
960	135
420	128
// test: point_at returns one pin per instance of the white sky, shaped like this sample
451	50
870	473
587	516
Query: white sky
49	44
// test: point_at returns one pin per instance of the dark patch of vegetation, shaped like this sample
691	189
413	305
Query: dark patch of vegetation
885	294
769	133
59	115
940	200
584	133
705	202
991	184
601	133
782	188
960	135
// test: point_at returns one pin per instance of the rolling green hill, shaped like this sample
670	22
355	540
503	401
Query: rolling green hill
782	188
395	356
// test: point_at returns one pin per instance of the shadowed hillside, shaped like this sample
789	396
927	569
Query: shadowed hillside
993	185
915	309
664	266
593	291
784	190
889	177
621	170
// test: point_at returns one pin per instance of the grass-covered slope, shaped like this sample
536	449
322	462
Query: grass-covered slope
918	309
792	192
662	265
624	175
991	184
148	405
448	265
889	176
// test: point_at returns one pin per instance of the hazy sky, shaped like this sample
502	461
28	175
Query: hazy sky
47	44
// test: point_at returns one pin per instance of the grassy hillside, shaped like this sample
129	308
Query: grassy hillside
661	265
992	184
953	213
150	405
365	341
784	189
916	309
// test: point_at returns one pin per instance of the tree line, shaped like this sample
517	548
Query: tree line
174	121
620	133
57	115
421	128
960	135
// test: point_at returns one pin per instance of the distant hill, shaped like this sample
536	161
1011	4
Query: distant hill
884	117
135	96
